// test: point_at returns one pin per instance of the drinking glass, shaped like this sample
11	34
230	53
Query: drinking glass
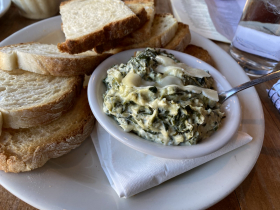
256	44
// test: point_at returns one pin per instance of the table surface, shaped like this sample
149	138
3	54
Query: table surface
260	190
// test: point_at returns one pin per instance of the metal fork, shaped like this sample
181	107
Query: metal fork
226	94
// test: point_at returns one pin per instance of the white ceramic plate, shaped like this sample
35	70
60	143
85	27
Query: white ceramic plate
230	124
4	6
77	181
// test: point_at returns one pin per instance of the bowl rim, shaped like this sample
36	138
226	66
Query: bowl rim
213	143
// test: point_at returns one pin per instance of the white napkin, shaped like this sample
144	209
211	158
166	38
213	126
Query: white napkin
130	172
274	93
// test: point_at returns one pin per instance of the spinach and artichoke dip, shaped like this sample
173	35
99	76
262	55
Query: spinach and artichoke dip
160	99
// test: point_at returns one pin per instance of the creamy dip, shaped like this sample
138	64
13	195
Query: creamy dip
160	99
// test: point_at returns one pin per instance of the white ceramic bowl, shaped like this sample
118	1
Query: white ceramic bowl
229	127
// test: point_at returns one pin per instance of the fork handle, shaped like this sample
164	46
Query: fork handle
251	83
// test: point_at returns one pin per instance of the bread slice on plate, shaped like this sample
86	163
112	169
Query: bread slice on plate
140	35
48	60
28	99
139	11
144	32
181	39
200	53
163	30
88	23
27	149
137	8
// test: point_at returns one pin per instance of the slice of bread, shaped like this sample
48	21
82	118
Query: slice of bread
200	53
163	30
46	59
144	32
139	11
30	148
137	36
181	39
88	23
28	99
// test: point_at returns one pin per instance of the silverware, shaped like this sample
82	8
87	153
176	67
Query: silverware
226	94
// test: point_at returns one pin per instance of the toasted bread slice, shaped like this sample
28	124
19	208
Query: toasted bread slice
137	8
163	30
144	32
46	59
28	99
181	39
200	53
139	11
137	36
88	23
30	148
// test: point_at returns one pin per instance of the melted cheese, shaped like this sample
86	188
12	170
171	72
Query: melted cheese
169	65
134	80
164	60
211	94
170	80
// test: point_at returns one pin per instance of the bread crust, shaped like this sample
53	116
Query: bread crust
140	35
114	30
181	39
200	53
42	149
158	41
43	113
58	66
51	64
142	15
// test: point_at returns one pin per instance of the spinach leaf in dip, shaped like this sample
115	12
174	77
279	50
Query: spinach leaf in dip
160	99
